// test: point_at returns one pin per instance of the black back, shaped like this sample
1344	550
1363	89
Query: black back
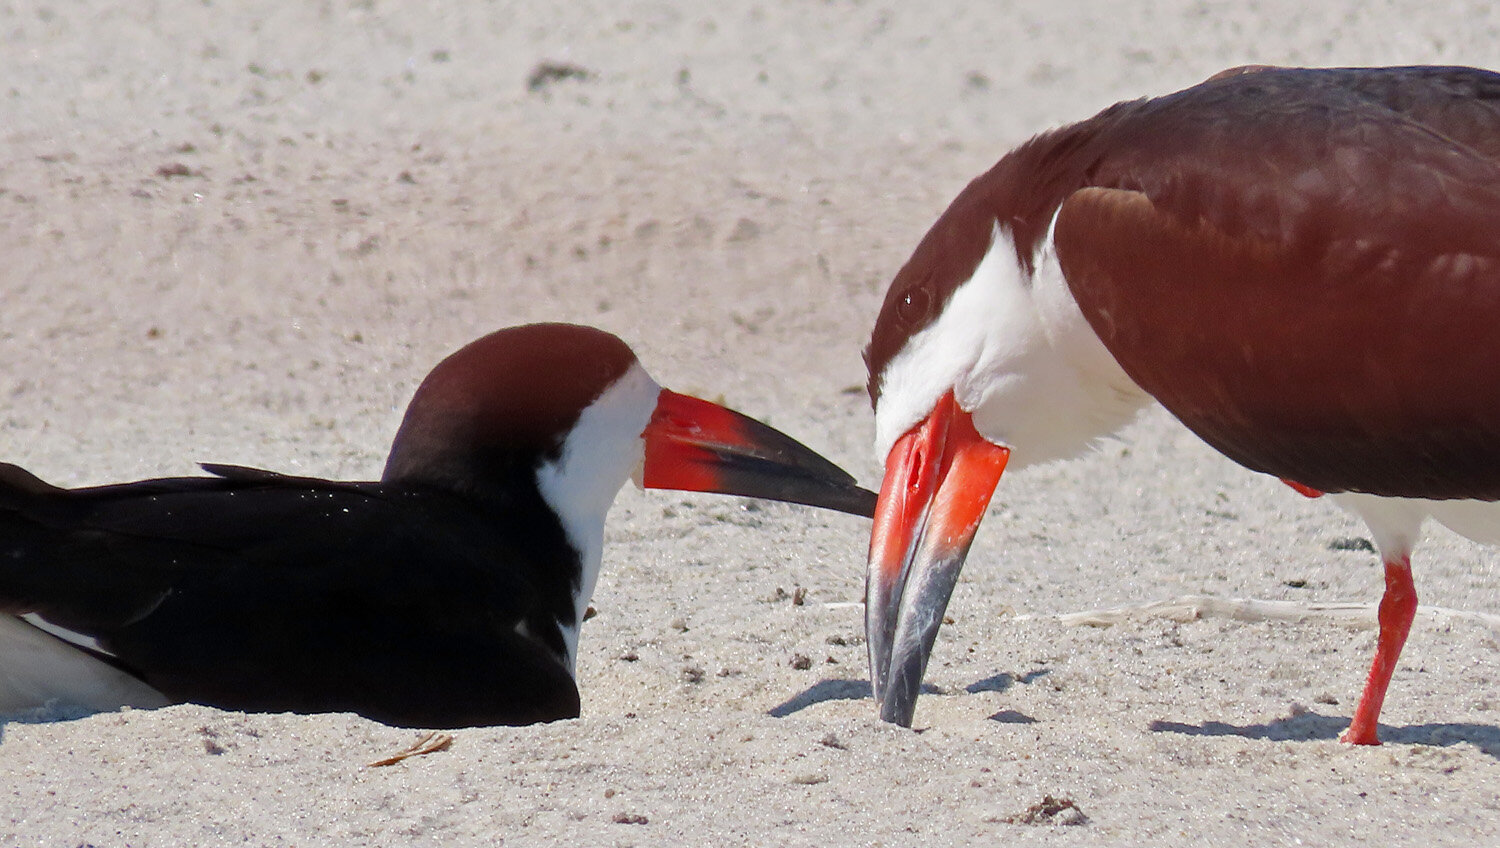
255	591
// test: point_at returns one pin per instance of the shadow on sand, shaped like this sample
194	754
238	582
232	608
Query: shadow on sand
830	690
855	690
1310	725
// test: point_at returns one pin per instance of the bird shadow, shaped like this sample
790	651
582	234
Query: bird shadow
856	690
830	690
1004	680
48	714
1304	726
1310	725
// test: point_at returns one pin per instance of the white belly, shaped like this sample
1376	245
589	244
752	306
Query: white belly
1396	522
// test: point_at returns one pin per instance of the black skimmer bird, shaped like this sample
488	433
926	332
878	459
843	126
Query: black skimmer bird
1301	265
447	594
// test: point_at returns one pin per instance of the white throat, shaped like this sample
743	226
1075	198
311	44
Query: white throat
1020	356
596	459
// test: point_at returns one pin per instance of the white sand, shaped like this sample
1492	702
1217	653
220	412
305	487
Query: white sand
371	185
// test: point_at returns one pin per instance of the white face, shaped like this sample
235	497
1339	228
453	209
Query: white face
596	460
1019	355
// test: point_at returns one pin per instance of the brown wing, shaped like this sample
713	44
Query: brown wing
1461	104
1344	351
1304	266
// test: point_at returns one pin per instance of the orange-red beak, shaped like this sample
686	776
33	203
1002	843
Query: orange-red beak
938	482
697	446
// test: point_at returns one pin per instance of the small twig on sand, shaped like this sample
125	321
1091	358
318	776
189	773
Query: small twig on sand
1194	607
430	743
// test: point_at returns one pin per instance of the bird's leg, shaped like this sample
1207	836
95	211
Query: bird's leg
1397	609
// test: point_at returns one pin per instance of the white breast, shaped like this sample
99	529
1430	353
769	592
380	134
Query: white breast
1020	356
597	458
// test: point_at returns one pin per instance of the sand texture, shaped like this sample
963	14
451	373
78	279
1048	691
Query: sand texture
242	233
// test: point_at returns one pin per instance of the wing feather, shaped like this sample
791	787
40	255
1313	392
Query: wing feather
1344	360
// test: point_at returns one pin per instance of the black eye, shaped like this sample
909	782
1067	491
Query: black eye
914	305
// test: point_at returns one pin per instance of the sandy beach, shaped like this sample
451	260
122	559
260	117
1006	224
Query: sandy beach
243	233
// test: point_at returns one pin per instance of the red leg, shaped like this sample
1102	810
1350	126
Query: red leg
1397	609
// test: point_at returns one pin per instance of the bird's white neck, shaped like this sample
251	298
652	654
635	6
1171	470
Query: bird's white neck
597	458
1019	355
